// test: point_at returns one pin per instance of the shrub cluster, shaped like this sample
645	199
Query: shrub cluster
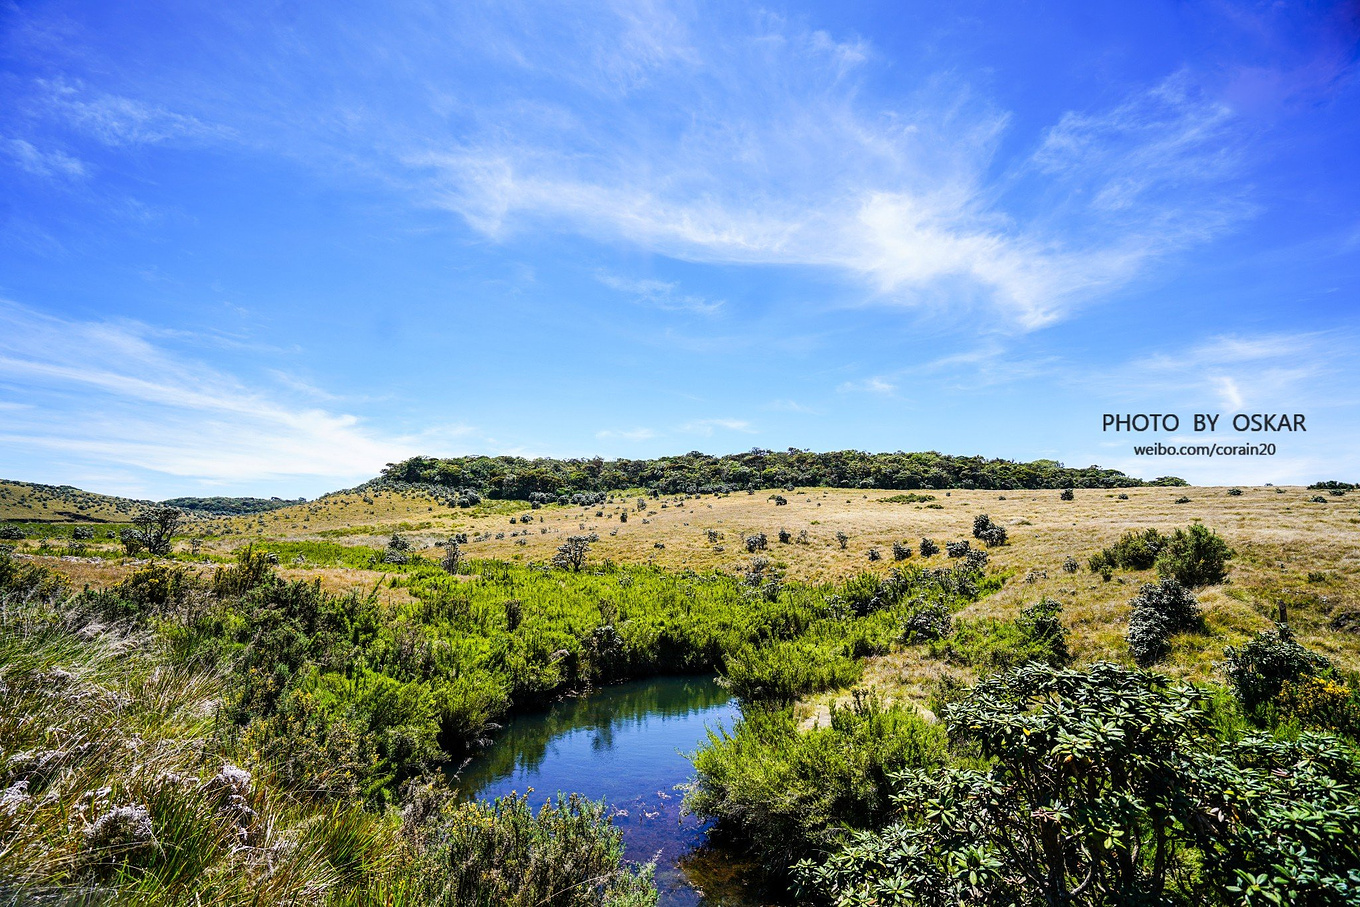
1160	610
990	533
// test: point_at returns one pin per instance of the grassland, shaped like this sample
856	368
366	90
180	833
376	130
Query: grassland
1289	549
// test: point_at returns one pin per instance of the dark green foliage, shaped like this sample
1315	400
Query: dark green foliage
1070	564
1104	787
928	623
900	551
571	555
987	531
929	548
1160	610
1067	494
788	793
569	854
156	528
1134	551
520	479
1260	668
10	532
1332	485
1235	492
1195	557
910	497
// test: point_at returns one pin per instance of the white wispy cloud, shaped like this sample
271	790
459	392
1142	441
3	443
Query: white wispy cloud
779	160
117	120
107	393
1243	373
49	163
660	294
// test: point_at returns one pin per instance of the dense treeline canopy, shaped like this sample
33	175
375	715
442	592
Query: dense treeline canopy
517	478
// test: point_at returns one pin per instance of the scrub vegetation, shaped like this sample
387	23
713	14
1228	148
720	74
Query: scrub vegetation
1110	698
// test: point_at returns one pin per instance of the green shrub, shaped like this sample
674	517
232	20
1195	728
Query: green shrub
502	854
990	533
1195	557
1104	786
781	672
1134	551
989	645
788	793
1259	669
1160	610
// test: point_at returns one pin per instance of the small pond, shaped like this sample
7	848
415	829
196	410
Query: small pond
626	744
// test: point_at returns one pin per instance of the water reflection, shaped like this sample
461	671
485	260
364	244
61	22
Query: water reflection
626	744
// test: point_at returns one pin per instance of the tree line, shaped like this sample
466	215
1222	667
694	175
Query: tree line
517	478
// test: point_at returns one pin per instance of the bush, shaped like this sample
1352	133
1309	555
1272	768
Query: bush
929	548
874	555
1105	787
843	539
987	531
927	624
571	555
12	533
988	646
785	536
568	855
900	551
1067	494
1159	611
1070	564
1259	669
1194	557
1134	551
1235	492
757	542
781	672
957	549
789	794
1322	703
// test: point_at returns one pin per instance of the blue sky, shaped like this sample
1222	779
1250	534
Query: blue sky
265	248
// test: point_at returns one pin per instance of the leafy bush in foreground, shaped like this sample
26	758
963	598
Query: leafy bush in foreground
1105	787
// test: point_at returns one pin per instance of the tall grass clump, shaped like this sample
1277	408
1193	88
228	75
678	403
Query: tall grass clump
503	854
785	793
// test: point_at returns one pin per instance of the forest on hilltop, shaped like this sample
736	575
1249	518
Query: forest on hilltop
517	478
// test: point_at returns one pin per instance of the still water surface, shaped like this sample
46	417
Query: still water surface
626	744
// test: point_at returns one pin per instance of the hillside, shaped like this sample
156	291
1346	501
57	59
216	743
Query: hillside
30	502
